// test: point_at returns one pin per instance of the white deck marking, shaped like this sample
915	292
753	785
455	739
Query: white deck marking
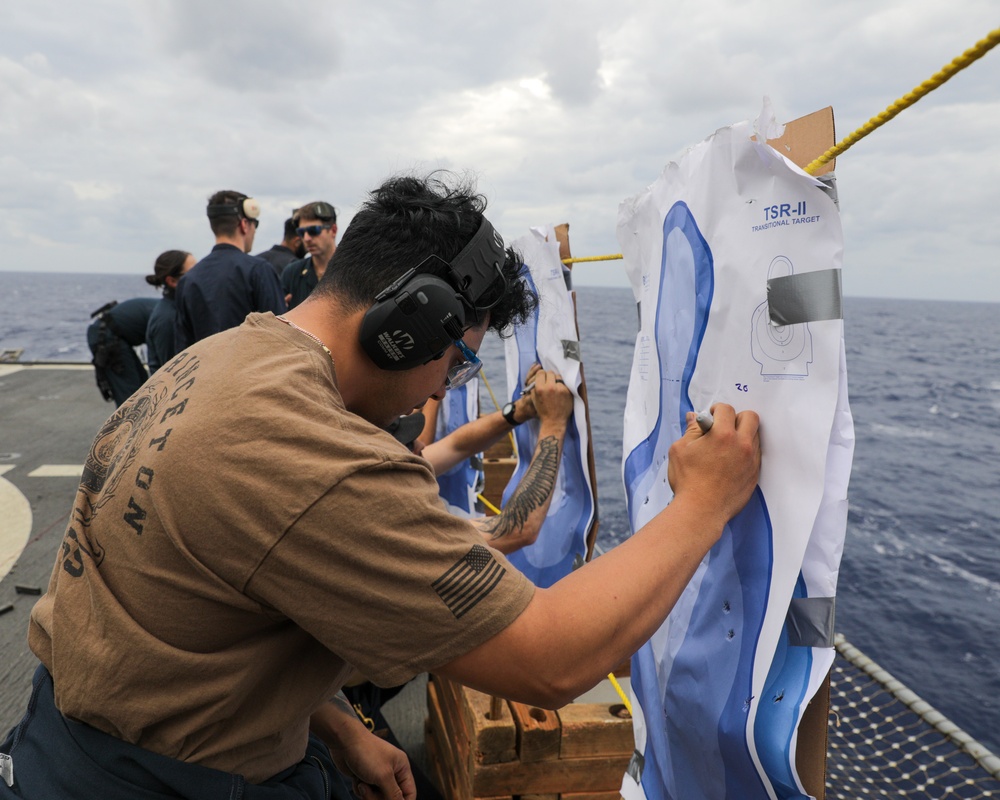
10	369
6	468
15	511
57	471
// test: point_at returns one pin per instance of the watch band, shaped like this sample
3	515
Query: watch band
508	414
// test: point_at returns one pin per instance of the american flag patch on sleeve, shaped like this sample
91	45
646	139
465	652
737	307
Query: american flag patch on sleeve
469	580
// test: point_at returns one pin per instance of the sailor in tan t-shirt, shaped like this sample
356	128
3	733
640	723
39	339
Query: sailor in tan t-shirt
246	533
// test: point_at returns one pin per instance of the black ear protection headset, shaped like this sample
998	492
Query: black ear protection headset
243	207
416	318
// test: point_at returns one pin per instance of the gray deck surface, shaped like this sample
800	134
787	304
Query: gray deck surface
49	416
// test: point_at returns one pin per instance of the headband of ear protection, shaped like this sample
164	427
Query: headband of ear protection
417	317
243	207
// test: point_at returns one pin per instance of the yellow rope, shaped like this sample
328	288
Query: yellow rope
974	53
488	504
489	388
493	397
611	257
496	405
621	692
980	49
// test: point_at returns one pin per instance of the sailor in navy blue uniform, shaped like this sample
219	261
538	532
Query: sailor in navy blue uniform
228	283
290	249
168	269
117	329
317	225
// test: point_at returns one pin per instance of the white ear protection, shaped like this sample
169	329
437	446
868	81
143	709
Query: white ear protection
243	207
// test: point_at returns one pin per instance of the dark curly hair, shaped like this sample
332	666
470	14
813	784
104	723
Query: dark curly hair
168	264
404	221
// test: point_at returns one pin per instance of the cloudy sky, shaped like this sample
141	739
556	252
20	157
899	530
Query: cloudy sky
118	118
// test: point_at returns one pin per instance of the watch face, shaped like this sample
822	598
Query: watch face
508	413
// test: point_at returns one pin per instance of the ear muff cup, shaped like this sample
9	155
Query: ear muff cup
243	207
414	324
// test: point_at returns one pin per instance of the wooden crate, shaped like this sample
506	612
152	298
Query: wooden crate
498	472
577	753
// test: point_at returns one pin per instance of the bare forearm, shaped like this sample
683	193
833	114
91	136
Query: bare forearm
524	514
336	723
572	634
473	437
375	767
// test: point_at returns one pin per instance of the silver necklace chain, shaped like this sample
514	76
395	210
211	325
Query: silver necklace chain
312	336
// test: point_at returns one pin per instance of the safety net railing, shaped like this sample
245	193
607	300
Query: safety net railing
885	741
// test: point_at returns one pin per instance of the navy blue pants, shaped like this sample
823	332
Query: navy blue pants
55	757
116	363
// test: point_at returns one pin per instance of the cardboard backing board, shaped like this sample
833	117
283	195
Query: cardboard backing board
805	139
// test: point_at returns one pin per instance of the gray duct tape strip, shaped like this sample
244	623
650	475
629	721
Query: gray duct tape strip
829	182
807	297
635	765
810	621
571	349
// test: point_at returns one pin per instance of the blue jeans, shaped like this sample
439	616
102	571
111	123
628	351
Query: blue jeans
56	757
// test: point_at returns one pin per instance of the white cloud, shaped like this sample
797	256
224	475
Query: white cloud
94	190
243	45
121	118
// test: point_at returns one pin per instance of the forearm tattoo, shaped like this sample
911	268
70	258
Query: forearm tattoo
340	701
533	492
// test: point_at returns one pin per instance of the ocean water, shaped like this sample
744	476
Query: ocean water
919	587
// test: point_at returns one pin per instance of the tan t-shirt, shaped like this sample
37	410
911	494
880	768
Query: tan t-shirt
238	543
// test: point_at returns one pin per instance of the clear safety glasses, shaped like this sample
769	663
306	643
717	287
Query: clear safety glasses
461	374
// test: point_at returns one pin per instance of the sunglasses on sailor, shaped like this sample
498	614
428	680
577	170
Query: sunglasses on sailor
312	230
461	374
